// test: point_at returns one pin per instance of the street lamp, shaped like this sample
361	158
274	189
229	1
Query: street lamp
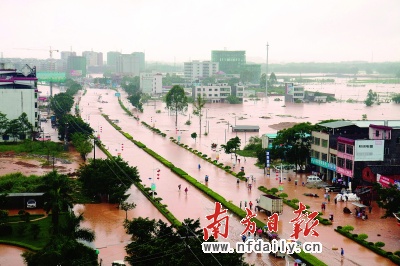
153	184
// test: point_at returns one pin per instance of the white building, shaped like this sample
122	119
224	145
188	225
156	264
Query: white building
131	64
19	94
93	58
151	83
294	93
213	93
197	70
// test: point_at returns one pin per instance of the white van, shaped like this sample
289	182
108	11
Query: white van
313	179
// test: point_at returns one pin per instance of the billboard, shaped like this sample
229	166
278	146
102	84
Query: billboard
369	150
50	76
75	73
289	88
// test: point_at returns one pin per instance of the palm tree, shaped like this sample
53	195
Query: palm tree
57	196
71	228
198	105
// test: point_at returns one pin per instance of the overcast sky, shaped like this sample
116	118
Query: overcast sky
183	30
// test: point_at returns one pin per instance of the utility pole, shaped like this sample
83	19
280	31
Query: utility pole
266	77
94	151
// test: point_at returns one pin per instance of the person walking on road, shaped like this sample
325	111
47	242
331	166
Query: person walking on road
240	204
245	203
341	252
206	178
179	187
186	190
199	166
335	200
237	181
370	208
250	204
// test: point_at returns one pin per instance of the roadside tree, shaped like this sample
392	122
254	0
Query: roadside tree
232	146
388	199
198	105
177	101
110	178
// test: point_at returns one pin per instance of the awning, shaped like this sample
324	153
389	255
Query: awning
359	205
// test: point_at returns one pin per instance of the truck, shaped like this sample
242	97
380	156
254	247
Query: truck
270	204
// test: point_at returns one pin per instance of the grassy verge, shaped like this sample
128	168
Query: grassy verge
370	245
28	147
22	236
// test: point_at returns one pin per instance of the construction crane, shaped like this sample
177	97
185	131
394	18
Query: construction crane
50	50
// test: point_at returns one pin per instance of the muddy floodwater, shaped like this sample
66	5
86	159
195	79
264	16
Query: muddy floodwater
271	115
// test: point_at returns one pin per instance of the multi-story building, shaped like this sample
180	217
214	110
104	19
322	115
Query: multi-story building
76	66
343	149
230	62
151	83
197	70
294	93
66	54
131	64
19	94
112	61
216	93
251	73
93	58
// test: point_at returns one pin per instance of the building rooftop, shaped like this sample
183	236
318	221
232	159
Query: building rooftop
26	194
337	124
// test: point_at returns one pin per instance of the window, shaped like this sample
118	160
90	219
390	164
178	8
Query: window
317	141
377	133
324	143
324	157
340	162
349	164
316	154
209	89
209	95
340	147
333	159
36	105
215	89
215	95
349	149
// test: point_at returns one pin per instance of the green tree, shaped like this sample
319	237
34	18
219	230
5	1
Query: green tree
71	229
57	197
263	80
372	97
233	99
232	146
272	78
177	246
395	98
14	129
61	250
72	124
112	177
35	230
388	199
198	106
293	144
176	101
82	144
194	136
61	104
3	123
126	206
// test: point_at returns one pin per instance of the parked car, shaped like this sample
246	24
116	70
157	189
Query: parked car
44	138
30	204
313	179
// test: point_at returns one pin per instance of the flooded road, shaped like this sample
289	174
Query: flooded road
107	220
